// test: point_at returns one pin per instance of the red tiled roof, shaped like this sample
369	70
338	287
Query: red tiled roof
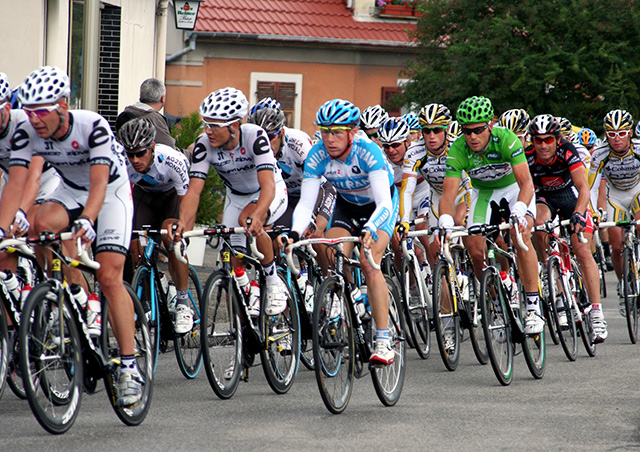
298	20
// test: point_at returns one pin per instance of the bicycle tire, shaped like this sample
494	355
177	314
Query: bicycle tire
4	350
188	347
497	327
14	376
280	356
142	286
602	266
533	346
441	280
135	414
547	310
561	301
474	318
221	334
54	384
388	381
415	310
333	345
629	278
585	326
389	268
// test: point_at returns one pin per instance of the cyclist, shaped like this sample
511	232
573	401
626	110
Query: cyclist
94	191
562	189
496	164
370	121
453	131
242	157
516	120
566	129
618	161
160	178
414	127
367	202
587	138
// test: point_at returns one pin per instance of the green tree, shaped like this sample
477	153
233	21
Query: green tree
212	197
573	58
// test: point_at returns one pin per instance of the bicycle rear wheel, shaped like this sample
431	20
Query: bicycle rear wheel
533	346
560	299
333	347
547	310
497	326
135	414
583	322
388	381
148	293
221	335
629	278
188	347
445	321
474	319
51	360
4	350
414	308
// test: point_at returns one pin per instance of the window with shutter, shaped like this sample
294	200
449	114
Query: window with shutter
283	92
388	92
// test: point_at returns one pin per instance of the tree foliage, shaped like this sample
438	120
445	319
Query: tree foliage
572	58
212	197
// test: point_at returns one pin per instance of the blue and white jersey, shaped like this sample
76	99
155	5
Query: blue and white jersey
169	169
351	177
291	157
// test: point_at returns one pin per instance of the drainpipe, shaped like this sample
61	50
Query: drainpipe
161	38
190	48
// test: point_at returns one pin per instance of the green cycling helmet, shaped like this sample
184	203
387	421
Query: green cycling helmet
474	109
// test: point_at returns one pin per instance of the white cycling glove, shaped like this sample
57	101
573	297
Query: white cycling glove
446	222
21	220
520	211
85	223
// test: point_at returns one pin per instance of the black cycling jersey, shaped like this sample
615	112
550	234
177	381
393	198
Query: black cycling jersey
556	175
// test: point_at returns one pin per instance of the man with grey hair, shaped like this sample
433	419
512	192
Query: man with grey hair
152	98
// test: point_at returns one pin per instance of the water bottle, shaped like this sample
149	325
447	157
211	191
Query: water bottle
164	282
13	285
79	295
463	281
243	280
512	288
26	290
307	290
94	314
254	298
358	297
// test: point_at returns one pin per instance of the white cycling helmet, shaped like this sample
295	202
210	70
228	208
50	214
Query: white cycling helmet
393	130
46	85
373	117
225	104
5	89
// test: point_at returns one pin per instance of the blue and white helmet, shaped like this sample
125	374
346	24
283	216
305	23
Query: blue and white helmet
337	112
372	117
637	131
5	89
393	130
413	122
587	137
267	102
225	104
46	85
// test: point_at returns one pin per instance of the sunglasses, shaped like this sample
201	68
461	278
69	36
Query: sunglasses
273	134
137	154
475	130
393	145
337	130
372	134
548	140
217	125
618	134
40	112
433	130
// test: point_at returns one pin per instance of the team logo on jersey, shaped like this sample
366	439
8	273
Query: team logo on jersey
493	155
356	170
230	154
74	144
555	181
243	151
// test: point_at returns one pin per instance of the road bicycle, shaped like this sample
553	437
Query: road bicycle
502	320
568	303
147	283
343	341
456	306
60	360
599	256
230	336
630	273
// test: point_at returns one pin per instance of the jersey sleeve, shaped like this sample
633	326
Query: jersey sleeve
512	150
263	155
101	142
200	164
316	162
456	159
179	172
23	143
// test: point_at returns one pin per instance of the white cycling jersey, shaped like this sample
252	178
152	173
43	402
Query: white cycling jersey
15	117
413	189
291	156
169	169
238	168
89	141
621	172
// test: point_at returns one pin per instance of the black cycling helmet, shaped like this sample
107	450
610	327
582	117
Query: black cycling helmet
137	133
543	125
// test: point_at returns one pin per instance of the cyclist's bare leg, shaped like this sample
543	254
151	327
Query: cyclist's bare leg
540	239
527	260
179	271
615	240
376	285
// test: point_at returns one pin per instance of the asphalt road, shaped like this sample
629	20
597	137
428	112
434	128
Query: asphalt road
592	404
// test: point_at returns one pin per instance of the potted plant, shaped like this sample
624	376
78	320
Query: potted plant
396	7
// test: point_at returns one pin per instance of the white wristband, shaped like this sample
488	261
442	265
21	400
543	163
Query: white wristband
519	209
445	221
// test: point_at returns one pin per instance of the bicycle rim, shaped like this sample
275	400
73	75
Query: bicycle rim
221	335
148	296
51	361
474	314
414	307
444	320
4	350
585	326
497	327
333	346
188	347
630	294
388	381
533	346
561	299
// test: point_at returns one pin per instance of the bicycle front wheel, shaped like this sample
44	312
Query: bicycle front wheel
333	347
148	293
497	327
388	381
629	278
583	322
221	335
415	309
560	299
474	316
14	376
188	346
445	320
4	349
135	414
533	346
51	360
